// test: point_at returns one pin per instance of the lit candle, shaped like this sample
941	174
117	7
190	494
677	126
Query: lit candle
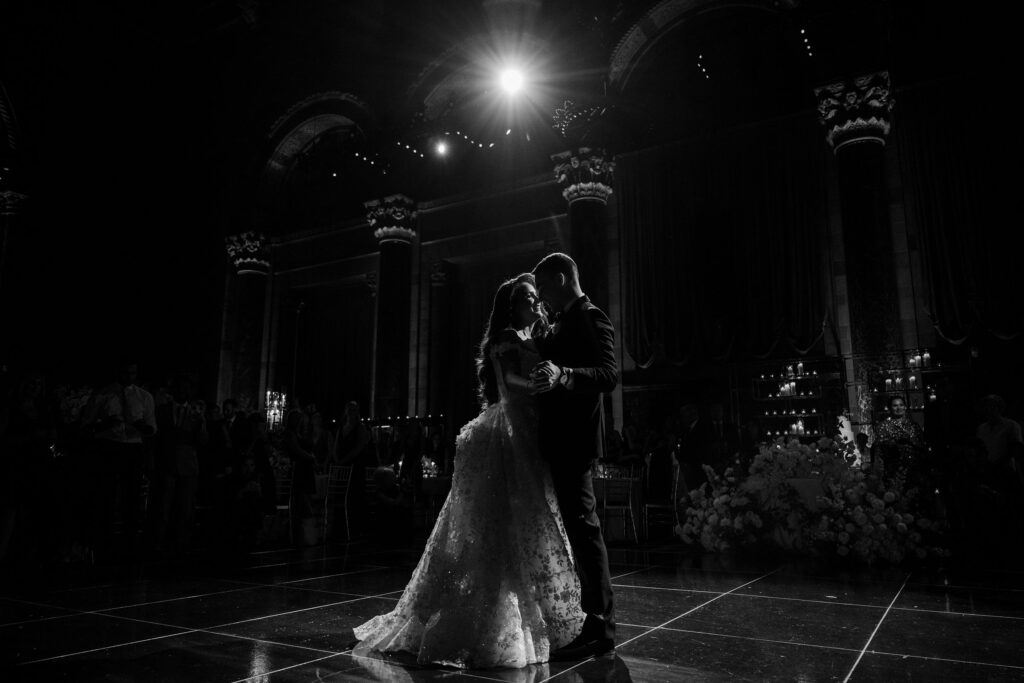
913	361
927	359
899	382
888	385
800	368
913	381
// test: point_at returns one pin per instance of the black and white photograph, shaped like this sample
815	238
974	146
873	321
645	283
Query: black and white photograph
510	340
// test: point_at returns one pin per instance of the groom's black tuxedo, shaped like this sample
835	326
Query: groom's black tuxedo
583	339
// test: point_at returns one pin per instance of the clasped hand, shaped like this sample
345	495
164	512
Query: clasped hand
544	377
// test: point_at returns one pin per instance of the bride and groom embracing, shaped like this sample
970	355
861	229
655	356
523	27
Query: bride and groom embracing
515	571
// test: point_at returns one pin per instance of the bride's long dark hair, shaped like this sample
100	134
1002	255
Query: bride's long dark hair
499	320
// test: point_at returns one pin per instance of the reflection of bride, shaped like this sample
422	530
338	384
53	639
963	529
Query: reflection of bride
496	585
600	670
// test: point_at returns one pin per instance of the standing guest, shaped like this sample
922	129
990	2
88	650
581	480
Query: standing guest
27	467
724	438
303	464
182	433
1000	436
749	444
216	462
694	446
258	449
632	440
899	440
319	438
354	440
118	416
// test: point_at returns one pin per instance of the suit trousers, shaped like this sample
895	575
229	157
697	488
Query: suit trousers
575	492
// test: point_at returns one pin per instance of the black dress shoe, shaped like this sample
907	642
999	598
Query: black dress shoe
582	648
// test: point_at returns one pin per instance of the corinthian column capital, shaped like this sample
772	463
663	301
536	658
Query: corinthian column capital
392	218
856	110
249	253
584	174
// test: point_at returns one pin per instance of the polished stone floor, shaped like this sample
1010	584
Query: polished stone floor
287	616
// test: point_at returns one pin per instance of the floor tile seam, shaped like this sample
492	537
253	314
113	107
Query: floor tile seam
959	614
967	586
283	564
636	571
946	659
332	576
717	597
76	610
751	595
298	611
354	595
216	626
40	619
166	600
85	588
265	676
875	631
108	647
269	642
739	637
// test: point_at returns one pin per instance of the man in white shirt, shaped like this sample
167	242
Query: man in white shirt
119	415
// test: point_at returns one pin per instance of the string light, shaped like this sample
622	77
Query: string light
700	65
807	42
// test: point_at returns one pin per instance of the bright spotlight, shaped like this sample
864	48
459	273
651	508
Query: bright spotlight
441	149
511	81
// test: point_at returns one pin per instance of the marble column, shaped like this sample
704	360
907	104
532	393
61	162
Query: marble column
242	371
585	176
856	114
393	222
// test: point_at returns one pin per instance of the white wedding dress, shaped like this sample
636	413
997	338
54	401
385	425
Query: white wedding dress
496	585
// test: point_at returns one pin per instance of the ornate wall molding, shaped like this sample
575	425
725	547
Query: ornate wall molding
856	110
393	218
249	252
584	174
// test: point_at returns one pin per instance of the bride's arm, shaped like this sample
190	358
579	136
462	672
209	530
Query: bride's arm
507	358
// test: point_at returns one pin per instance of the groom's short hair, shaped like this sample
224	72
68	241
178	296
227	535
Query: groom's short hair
558	263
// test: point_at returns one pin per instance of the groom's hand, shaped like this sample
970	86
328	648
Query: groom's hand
545	376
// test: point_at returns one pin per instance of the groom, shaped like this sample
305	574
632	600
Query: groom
579	367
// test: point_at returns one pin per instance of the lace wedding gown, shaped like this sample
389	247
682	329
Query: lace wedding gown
496	585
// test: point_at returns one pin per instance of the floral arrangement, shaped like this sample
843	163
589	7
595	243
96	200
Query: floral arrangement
720	515
810	497
869	517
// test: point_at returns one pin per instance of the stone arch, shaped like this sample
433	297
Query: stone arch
303	123
660	21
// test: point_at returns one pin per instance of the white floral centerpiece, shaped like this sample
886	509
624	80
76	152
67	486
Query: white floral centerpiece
814	498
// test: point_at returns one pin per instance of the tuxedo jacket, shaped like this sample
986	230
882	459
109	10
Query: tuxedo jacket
582	339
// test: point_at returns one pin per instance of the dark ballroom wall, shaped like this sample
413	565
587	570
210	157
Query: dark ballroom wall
735	232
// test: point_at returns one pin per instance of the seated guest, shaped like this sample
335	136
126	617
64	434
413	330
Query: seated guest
393	507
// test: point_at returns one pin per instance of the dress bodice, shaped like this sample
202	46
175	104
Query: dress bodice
512	352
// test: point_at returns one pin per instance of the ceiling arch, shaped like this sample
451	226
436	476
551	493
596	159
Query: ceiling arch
658	22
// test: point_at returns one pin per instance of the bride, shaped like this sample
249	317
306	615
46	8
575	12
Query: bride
496	585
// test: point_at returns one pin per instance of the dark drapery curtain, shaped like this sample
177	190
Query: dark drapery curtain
960	163
335	348
722	244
